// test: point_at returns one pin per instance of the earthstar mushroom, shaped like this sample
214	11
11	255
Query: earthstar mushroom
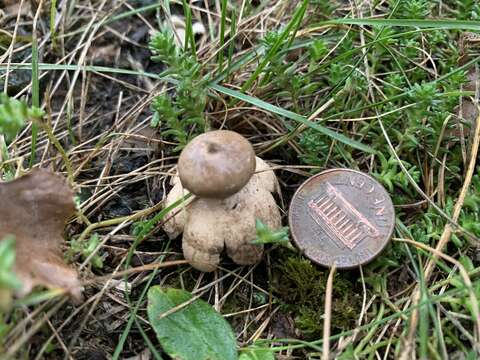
233	188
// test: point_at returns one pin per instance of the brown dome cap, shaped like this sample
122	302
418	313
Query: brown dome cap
216	164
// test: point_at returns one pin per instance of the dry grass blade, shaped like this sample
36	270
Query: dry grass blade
328	314
468	283
444	239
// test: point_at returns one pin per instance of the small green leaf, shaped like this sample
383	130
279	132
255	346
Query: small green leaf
268	236
85	249
155	120
194	332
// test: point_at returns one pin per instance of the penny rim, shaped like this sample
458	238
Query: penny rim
300	243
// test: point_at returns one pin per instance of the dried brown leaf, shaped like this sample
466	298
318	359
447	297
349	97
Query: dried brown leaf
34	208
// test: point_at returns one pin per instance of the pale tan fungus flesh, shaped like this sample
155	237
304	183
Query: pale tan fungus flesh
211	225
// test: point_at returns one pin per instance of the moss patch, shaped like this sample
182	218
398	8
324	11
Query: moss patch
300	285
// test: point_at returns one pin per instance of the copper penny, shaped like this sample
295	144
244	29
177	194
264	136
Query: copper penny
341	216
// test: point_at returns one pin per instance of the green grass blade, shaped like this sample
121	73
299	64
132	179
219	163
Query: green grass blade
293	116
425	23
232	67
35	97
189	38
231	46
371	332
133	315
149	343
223	5
99	69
